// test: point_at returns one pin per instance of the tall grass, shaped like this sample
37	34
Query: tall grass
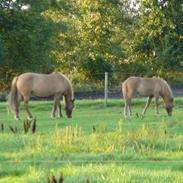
97	144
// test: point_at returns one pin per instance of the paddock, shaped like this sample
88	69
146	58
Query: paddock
90	145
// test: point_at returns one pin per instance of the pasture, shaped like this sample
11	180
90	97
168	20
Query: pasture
97	143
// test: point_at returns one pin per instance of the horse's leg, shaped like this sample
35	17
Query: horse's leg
17	117
129	107
59	110
54	108
156	105
147	105
26	106
55	105
126	108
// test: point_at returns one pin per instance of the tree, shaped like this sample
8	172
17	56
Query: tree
157	42
26	38
95	31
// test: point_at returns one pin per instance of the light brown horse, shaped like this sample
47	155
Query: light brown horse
41	85
149	87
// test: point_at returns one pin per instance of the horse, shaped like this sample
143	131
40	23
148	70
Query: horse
41	85
148	87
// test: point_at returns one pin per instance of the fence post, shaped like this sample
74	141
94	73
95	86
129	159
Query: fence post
106	89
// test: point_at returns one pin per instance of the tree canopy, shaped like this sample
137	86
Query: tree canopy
158	41
85	38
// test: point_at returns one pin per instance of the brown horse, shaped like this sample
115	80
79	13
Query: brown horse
149	87
41	85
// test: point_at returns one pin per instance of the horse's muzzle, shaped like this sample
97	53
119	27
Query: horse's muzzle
169	111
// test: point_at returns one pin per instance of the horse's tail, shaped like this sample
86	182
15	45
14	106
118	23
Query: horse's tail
13	96
124	90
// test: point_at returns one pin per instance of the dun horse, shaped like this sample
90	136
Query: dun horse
148	87
41	85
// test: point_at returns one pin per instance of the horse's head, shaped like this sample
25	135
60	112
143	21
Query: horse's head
69	107
169	106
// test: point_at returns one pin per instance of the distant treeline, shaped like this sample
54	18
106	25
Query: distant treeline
85	38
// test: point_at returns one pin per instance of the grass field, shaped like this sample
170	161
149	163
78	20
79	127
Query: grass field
139	149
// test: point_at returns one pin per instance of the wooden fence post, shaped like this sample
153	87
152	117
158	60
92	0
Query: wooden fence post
106	89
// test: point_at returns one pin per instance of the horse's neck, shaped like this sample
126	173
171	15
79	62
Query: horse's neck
68	95
167	93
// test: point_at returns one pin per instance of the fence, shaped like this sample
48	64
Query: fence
112	89
105	89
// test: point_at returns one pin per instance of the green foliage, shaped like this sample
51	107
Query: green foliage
83	38
102	66
94	30
2	49
157	42
26	38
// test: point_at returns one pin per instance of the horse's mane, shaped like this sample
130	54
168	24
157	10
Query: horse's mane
70	84
166	87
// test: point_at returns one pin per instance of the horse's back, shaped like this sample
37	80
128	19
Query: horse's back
142	85
30	78
41	85
129	86
25	81
131	82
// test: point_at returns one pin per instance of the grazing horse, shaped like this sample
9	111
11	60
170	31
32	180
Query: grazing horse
149	87
41	85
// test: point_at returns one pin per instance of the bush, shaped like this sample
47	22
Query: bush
3	96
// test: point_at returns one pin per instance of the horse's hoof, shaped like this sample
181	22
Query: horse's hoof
52	117
29	119
60	116
126	117
17	118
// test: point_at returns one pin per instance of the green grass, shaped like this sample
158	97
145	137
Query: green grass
139	149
